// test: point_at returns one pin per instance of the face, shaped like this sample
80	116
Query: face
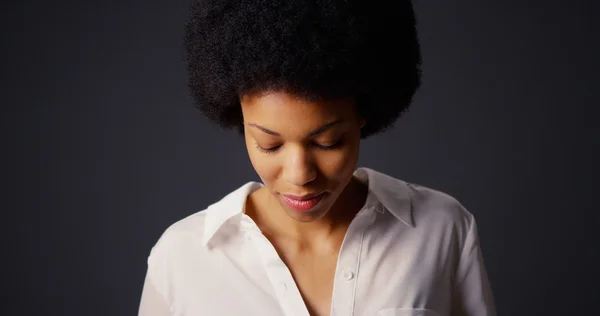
304	152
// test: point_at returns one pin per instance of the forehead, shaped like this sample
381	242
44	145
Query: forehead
282	107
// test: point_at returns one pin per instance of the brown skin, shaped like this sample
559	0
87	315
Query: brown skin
308	242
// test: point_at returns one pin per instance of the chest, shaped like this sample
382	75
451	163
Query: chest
314	275
251	275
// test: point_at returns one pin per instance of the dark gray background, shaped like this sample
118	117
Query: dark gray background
105	150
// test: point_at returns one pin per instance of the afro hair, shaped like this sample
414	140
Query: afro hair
316	50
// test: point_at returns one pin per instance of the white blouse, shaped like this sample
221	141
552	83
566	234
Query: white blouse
410	251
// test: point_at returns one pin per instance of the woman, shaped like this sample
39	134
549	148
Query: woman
304	82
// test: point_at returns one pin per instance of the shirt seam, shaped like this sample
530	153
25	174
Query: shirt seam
462	254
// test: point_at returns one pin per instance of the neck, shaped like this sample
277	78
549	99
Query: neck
336	220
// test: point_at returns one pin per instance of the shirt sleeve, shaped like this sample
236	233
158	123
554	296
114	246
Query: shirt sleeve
152	303
472	291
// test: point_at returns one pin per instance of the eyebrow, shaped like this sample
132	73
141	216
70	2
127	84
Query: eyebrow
312	133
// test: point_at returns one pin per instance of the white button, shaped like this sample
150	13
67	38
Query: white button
283	287
348	275
248	237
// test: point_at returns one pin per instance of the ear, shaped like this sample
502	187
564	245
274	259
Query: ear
362	123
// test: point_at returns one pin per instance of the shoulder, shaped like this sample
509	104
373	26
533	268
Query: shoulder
178	237
441	217
416	204
179	245
438	218
190	234
436	202
429	204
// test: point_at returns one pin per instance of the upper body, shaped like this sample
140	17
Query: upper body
304	82
410	250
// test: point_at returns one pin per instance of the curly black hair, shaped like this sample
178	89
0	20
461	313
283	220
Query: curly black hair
317	50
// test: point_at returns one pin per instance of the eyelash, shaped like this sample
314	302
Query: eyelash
274	149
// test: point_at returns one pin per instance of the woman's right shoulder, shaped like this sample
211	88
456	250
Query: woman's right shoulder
189	228
179	244
191	231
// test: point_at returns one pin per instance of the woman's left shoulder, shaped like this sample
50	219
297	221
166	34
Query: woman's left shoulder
437	206
417	204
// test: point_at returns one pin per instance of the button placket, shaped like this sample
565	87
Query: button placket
348	263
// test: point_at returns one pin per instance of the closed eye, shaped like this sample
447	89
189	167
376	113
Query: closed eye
330	147
267	150
275	148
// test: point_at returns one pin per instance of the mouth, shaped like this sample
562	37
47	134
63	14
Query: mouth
302	203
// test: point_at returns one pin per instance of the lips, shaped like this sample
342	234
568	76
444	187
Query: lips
302	203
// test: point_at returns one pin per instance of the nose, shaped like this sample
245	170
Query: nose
299	167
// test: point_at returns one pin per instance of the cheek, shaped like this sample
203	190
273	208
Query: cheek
339	166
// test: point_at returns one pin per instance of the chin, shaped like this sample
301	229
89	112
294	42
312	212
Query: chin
305	217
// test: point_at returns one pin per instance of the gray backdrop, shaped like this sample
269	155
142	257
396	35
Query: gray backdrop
105	150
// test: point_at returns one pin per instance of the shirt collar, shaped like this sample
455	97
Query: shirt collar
394	195
232	205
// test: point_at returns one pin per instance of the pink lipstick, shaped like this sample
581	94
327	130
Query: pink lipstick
304	203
